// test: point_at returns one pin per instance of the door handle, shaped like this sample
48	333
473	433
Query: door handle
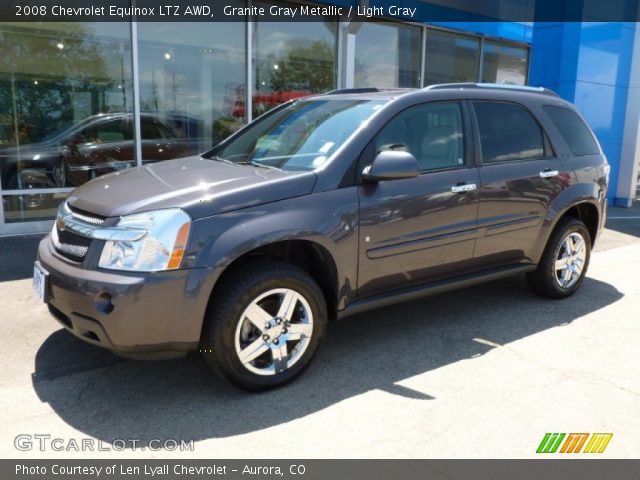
463	188
549	173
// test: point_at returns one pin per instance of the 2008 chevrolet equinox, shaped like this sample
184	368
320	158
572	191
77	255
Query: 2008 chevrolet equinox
324	207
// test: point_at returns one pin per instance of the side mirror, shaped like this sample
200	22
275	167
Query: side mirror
391	165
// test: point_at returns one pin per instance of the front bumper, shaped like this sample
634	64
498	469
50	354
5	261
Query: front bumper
139	315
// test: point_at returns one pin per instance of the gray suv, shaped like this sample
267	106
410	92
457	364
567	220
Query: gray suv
321	208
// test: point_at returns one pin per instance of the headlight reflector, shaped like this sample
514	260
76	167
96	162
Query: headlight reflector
161	248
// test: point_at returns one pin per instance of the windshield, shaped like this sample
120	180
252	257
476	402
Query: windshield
301	136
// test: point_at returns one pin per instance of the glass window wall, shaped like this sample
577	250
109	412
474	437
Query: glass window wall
192	86
388	55
291	60
504	63
57	81
451	58
66	89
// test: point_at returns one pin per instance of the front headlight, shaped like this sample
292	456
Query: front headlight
161	247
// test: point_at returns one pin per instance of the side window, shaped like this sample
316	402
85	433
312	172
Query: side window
164	131
431	132
573	129
508	132
111	131
152	130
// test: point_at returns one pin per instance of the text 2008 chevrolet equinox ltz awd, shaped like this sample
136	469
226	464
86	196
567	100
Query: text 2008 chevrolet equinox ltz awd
324	207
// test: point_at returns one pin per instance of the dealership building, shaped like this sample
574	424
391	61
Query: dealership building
71	92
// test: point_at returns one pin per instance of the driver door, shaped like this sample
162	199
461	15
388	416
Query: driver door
424	228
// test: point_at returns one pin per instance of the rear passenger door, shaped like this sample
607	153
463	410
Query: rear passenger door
424	228
519	179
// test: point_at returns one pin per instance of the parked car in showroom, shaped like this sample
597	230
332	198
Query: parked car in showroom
96	145
321	208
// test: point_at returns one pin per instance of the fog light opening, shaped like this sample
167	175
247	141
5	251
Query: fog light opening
103	303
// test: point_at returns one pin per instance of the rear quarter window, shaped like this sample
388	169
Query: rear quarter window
573	129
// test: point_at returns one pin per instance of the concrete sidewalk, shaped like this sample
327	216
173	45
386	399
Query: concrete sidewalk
481	372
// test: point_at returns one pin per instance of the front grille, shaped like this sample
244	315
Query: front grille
66	241
70	245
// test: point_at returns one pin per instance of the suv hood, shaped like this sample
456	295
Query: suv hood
200	186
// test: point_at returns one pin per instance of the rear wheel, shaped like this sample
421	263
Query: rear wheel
564	262
264	325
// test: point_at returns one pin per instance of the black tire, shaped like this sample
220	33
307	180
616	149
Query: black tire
240	288
61	174
544	280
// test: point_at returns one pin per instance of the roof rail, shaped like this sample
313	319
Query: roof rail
499	86
338	91
365	90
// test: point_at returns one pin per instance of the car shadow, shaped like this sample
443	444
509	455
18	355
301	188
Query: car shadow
17	255
182	400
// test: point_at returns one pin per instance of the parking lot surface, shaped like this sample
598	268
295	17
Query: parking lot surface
482	372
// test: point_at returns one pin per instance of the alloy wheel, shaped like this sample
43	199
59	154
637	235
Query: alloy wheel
274	331
570	260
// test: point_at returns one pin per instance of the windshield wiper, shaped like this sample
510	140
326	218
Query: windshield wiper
253	163
258	164
223	160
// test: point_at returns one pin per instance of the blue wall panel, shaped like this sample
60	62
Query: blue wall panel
589	65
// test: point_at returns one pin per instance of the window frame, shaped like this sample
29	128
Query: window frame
368	154
549	152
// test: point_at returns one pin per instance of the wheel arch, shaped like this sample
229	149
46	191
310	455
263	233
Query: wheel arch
309	255
587	213
585	210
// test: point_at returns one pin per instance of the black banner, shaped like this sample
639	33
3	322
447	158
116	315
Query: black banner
349	10
321	469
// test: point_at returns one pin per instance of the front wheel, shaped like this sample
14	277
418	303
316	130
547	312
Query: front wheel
564	262
264	325
60	174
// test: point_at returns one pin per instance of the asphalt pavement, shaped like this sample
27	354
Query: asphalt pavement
482	372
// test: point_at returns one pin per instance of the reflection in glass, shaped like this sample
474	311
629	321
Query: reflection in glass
504	64
387	55
32	206
291	60
192	86
55	79
451	58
